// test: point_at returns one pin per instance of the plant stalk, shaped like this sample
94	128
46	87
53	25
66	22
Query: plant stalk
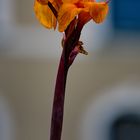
59	94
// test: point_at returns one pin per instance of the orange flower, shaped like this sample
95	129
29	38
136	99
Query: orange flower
71	16
44	14
84	9
67	10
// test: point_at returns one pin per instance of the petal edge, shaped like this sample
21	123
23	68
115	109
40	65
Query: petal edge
98	11
66	14
44	15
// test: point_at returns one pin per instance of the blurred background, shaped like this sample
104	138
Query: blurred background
103	88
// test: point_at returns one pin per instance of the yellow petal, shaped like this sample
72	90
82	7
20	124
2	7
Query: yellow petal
45	15
98	11
66	14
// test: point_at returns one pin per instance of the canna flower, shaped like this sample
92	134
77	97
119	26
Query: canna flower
68	10
86	9
71	16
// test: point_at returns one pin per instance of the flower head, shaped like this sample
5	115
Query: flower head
68	10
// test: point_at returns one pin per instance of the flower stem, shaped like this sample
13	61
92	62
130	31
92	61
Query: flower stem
68	56
58	103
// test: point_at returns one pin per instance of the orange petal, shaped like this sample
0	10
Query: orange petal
43	2
66	14
88	0
45	15
84	17
70	1
98	11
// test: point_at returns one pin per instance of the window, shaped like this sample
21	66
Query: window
126	14
126	128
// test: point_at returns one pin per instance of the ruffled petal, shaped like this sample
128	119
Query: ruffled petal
88	0
76	1
66	14
43	2
84	17
70	1
98	11
45	15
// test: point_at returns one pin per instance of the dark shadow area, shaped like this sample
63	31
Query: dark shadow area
126	127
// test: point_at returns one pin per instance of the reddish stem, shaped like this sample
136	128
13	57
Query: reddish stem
67	58
58	103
